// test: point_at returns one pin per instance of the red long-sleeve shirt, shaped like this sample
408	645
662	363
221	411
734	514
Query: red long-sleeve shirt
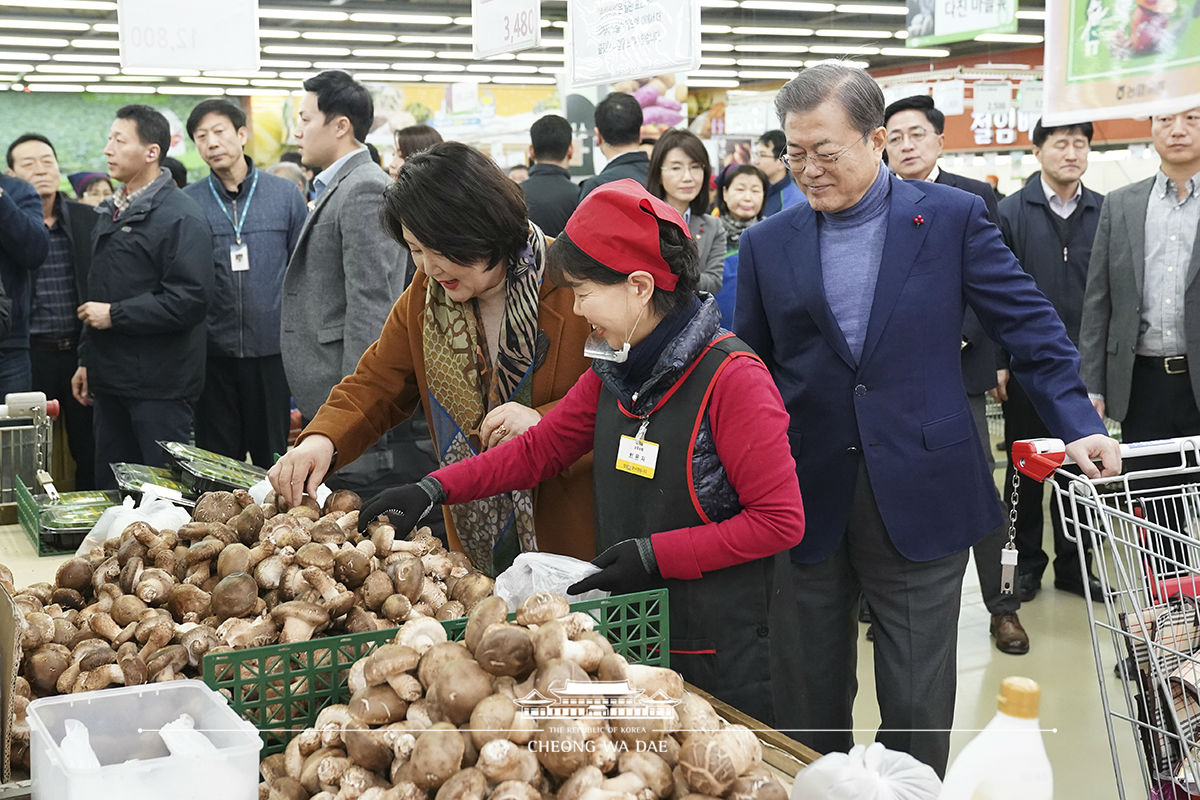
749	426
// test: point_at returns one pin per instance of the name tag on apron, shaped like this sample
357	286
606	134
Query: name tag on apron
637	457
239	257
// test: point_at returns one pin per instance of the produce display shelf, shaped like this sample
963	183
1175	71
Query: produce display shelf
783	754
282	688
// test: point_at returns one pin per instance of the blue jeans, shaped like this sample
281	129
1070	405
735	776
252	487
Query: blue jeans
16	373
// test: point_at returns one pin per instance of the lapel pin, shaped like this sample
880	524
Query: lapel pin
918	220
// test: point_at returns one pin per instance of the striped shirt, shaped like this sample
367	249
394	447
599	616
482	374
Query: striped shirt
52	311
1170	236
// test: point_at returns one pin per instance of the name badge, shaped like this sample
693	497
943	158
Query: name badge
637	457
239	257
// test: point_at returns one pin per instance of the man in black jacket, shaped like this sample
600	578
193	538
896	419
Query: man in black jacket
550	193
1050	226
22	251
142	354
619	136
914	143
57	286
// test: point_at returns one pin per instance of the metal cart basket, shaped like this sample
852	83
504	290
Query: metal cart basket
26	428
1144	531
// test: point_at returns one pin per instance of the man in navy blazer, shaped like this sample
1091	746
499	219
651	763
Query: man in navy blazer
855	301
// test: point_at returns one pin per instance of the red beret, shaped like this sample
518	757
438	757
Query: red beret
617	224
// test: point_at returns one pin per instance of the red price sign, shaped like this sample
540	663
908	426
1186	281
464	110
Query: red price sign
504	26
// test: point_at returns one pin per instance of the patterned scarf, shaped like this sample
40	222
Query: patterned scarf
464	387
734	228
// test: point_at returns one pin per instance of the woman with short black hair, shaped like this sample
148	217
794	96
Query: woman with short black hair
741	195
679	174
482	339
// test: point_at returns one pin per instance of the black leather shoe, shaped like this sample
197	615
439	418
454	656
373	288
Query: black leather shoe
1075	586
1009	634
1028	586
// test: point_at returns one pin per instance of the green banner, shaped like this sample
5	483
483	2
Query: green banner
941	21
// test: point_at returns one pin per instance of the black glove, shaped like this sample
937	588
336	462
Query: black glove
403	505
627	566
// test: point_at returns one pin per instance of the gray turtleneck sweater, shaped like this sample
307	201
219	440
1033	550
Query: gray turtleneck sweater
851	249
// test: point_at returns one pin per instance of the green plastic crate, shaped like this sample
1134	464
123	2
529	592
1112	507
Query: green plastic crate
281	688
44	543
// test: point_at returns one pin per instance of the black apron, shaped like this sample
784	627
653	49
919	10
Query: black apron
731	630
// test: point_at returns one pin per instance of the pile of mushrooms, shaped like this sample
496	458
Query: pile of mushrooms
149	604
431	719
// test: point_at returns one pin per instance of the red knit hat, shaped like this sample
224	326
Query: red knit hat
617	224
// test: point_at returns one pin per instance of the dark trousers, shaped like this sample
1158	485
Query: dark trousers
915	613
128	430
15	375
987	550
245	408
52	371
1021	421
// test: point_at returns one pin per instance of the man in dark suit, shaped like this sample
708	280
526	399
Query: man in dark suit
914	144
619	137
23	244
549	192
865	352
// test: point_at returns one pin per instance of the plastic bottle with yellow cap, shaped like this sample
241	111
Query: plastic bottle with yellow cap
1007	759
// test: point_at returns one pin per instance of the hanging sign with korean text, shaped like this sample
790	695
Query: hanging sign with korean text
614	40
182	34
941	21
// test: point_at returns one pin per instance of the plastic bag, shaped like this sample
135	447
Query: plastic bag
544	572
154	511
259	492
867	772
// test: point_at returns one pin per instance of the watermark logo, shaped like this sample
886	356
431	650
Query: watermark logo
603	699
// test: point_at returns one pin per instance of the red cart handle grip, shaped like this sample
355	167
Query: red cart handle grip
52	409
1038	458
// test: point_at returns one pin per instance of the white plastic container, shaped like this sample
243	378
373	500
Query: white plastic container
1007	760
135	764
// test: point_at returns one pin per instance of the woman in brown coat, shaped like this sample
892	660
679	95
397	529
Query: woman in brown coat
482	340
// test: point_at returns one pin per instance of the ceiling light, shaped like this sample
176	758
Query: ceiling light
405	19
241	74
716	61
548	41
106	27
349	65
500	57
715	29
716	47
278	33
901	34
552	70
31	41
348	36
387	77
711	84
412	39
718	4
766	74
303	13
916	52
464	21
147	71
216	81
1014	38
99	58
72	88
559	23
96	44
297	76
771	48
281	84
305	50
76	69
851	33
255	91
206	91
393	53
781	5
125	89
713	73
1037	15
538	57
70	5
520	68
871	8
844	50
135	78
43	25
18	68
519	79
284	64
454	79
24	55
80	78
841	62
429	66
760	31
771	62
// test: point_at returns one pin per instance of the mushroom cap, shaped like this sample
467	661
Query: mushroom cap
343	500
367	748
74	573
173	656
388	661
377	705
316	555
506	649
421	634
467	784
436	658
514	790
216	507
408	575
234	558
396	607
472	588
234	596
351	567
437	755
491	718
458	689
486	612
541	607
311	613
757	784
185	599
707	764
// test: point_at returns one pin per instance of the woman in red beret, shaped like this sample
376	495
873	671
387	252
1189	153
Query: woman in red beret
695	486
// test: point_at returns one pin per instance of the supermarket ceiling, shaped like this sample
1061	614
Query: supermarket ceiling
71	45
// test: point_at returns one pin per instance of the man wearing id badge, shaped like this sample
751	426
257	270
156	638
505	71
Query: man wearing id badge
256	219
695	486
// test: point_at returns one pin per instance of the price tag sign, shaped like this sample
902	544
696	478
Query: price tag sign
505	26
182	34
992	97
615	41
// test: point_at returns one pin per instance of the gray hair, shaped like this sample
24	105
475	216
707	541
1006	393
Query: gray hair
293	172
853	88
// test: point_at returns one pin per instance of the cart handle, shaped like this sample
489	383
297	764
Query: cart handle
1039	458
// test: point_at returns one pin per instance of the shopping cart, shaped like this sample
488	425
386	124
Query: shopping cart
1144	530
26	429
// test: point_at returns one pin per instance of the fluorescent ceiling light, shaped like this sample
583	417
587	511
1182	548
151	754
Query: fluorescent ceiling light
464	21
1014	38
284	64
413	39
754	30
351	65
106	27
539	57
240	74
429	66
771	48
454	79
348	36
844	62
711	84
278	33
771	62
281	84
782	5
111	89
519	68
171	72
298	76
76	69
305	50
851	33
208	79
715	29
24	55
871	8
1037	15
718	4
31	41
58	26
559	23
716	61
716	47
72	88
392	53
713	73
901	34
552	70
99	58
916	52
17	68
844	50
255	91
520	79
388	77
96	44
69	5
552	41
196	90
767	75
402	19
501	57
135	78
303	13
